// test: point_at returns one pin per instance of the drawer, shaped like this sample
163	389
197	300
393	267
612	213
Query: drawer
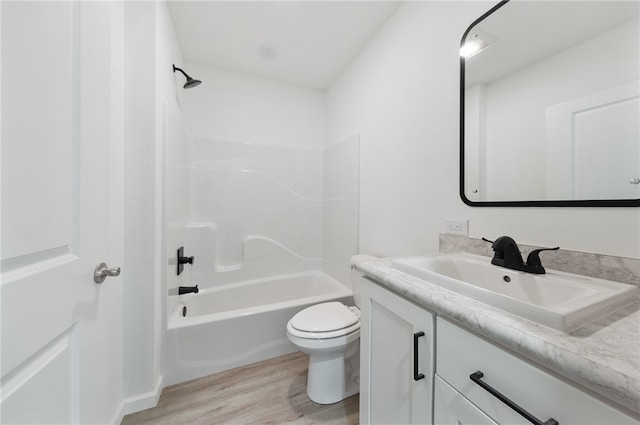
461	353
451	408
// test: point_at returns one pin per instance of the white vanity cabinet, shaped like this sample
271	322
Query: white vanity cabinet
400	339
545	397
396	361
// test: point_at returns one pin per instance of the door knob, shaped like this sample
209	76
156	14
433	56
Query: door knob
634	181
102	271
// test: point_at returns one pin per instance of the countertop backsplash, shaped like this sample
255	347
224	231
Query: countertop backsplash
619	269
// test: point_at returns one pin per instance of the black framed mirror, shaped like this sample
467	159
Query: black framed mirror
550	105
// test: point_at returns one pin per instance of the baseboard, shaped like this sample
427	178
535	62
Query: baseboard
143	401
117	419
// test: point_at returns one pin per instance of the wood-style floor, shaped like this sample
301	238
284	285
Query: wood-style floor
268	392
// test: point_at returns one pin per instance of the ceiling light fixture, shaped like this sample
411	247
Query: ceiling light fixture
475	43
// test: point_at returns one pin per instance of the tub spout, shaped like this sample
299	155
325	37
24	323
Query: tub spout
188	290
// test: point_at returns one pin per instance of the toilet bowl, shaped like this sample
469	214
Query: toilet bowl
330	334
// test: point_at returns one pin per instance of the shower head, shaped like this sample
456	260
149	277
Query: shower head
190	81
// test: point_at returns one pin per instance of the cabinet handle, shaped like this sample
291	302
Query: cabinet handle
476	377
416	375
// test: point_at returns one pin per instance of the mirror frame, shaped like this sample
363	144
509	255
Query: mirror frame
538	203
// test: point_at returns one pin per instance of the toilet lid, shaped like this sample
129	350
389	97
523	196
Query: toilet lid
325	317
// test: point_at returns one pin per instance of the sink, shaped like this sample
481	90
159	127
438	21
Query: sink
560	300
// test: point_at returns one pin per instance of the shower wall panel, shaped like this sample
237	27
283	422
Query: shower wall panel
250	181
257	206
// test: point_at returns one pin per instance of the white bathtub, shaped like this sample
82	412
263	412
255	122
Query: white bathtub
240	323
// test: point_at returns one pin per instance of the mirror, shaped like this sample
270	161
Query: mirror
550	105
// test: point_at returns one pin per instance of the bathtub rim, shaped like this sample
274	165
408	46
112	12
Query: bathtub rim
176	321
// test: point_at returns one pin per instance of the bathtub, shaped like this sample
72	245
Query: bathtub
241	323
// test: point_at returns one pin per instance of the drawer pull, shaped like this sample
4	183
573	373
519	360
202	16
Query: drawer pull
476	377
416	375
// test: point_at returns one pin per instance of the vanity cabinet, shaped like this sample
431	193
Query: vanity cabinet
396	361
400	382
462	354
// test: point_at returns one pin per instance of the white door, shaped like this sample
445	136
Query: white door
61	117
593	147
606	150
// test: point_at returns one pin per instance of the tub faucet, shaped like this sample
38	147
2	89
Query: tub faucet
507	254
187	289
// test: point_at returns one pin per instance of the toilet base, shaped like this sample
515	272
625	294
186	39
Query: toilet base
332	378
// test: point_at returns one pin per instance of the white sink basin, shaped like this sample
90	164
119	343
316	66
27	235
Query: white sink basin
556	299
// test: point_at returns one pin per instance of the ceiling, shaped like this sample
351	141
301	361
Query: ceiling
307	43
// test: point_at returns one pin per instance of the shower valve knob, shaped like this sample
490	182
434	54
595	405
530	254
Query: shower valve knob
185	260
182	260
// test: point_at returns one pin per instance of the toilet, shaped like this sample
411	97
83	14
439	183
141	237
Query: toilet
330	334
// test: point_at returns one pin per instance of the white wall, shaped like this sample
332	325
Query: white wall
139	354
341	174
236	107
147	43
401	94
154	192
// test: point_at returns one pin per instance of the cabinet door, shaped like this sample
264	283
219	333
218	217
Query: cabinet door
395	333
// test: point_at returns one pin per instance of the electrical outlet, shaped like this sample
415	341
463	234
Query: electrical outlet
456	226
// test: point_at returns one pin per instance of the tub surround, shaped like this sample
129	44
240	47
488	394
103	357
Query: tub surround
601	356
618	269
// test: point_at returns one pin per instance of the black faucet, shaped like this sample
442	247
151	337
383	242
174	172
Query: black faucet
187	289
507	254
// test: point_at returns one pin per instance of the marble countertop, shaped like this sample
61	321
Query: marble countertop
603	356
